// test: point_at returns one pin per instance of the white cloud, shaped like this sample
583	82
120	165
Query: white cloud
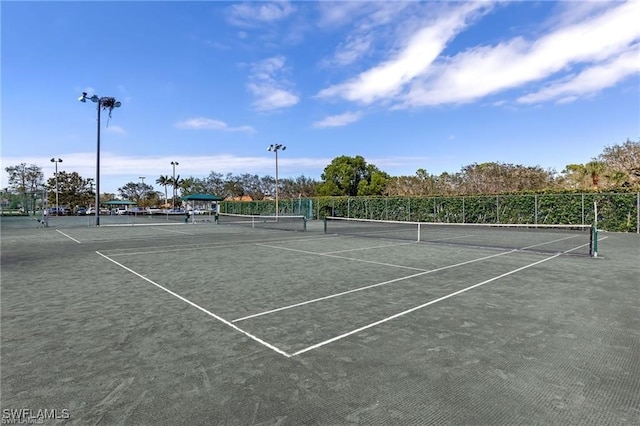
338	120
579	42
590	80
486	70
367	18
335	14
268	82
418	53
351	50
210	124
252	14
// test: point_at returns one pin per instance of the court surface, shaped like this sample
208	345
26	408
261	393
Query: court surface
207	324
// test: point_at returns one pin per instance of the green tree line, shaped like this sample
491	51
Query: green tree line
616	168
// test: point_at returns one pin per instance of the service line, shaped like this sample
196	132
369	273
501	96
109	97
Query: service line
331	296
373	324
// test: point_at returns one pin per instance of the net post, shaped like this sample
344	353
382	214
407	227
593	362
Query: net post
325	224
594	231
304	224
419	229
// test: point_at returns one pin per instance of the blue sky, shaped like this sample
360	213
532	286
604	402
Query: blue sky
407	85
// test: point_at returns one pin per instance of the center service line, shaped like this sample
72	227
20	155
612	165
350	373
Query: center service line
357	330
331	296
211	314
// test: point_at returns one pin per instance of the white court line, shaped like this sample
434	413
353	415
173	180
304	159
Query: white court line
331	296
197	246
211	314
175	232
68	236
357	330
341	257
369	248
424	272
373	324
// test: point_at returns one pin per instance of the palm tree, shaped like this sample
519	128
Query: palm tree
164	181
187	185
176	184
595	169
576	175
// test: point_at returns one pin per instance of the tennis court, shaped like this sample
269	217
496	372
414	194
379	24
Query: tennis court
244	323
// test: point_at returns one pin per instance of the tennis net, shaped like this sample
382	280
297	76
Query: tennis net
567	239
283	223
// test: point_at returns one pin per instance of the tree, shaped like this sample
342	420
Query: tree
175	183
344	174
136	191
253	186
214	183
187	186
73	190
233	186
373	182
495	177
298	187
595	169
421	184
25	180
164	181
623	163
574	176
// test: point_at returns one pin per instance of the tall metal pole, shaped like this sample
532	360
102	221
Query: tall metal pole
276	185
275	148
110	103
57	198
143	193
173	200
56	160
98	169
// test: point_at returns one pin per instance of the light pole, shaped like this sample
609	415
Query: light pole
173	201
275	148
142	192
56	160
103	103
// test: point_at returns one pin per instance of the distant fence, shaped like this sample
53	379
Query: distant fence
616	211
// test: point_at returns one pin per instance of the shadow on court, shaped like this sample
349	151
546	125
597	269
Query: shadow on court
215	324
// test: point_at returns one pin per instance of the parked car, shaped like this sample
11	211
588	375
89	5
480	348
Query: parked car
92	211
56	211
138	211
81	211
